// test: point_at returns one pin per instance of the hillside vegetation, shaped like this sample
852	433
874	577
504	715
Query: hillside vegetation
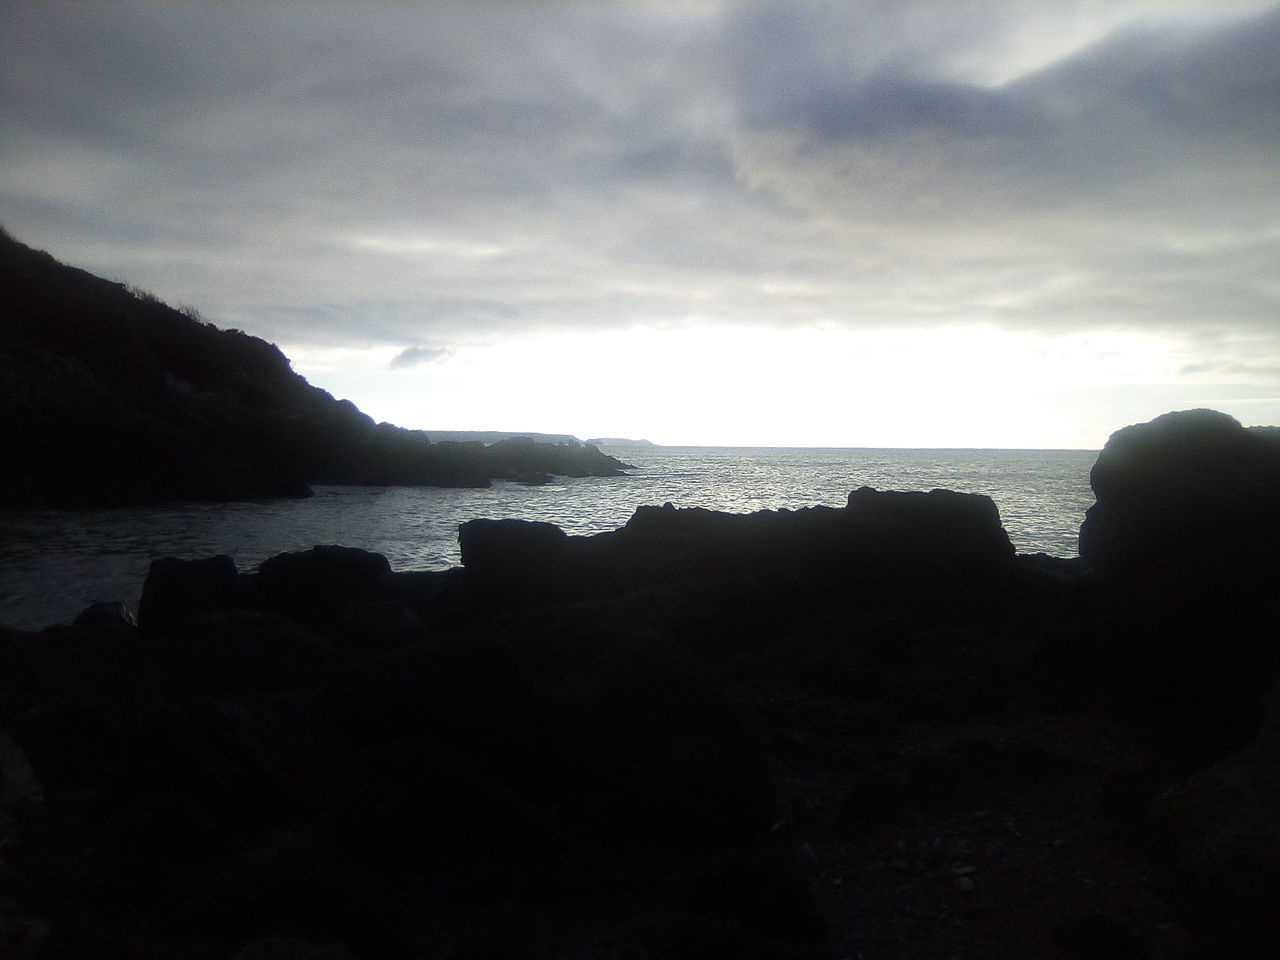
113	398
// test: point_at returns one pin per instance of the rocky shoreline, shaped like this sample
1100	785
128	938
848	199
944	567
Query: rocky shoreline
113	398
873	731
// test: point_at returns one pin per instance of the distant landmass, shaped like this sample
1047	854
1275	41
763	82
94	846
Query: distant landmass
620	442
112	397
495	436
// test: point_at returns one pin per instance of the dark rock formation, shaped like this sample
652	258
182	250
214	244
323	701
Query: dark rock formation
1182	545
1185	503
935	548
112	397
519	458
797	734
315	587
378	791
1215	839
1182	541
505	549
959	529
176	589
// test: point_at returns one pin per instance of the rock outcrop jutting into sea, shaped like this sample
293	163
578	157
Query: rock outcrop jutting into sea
113	398
873	730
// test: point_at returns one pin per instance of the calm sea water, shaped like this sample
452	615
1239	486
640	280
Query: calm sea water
55	563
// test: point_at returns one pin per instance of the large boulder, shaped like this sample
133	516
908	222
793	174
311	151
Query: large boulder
508	547
513	562
1181	540
1190	499
942	525
176	589
316	587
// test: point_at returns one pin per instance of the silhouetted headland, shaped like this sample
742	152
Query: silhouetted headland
620	442
493	436
114	398
869	730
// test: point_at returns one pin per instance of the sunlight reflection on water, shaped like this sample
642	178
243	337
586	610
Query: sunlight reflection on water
55	563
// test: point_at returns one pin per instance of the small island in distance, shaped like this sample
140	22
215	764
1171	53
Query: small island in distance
495	436
620	442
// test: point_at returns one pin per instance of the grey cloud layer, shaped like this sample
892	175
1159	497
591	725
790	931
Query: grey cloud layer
452	172
419	356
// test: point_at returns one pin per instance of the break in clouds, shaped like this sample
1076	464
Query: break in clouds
431	176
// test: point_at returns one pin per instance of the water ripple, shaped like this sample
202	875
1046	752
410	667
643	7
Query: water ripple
54	563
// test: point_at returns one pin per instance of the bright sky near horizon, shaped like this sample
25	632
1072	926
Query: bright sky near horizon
990	224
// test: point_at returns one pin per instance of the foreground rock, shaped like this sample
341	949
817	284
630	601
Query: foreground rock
872	731
935	548
1215	839
1186	504
1183	540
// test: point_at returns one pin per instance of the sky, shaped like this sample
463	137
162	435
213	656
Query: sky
908	224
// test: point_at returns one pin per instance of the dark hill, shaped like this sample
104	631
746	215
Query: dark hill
111	397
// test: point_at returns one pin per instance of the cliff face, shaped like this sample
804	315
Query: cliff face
112	398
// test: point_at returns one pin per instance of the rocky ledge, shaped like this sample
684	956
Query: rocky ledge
872	731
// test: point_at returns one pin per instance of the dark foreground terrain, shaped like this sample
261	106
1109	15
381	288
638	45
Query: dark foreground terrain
111	398
872	732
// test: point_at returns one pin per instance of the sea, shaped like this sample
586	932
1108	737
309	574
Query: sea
53	564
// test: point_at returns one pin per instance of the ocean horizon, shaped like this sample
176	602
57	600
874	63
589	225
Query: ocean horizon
54	563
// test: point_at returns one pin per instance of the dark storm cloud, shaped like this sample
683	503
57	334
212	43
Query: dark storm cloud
455	172
1123	185
1139	107
419	356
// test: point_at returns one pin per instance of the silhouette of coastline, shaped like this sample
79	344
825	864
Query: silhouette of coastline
114	398
620	442
796	734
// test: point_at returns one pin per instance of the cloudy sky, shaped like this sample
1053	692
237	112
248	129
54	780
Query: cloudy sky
978	223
